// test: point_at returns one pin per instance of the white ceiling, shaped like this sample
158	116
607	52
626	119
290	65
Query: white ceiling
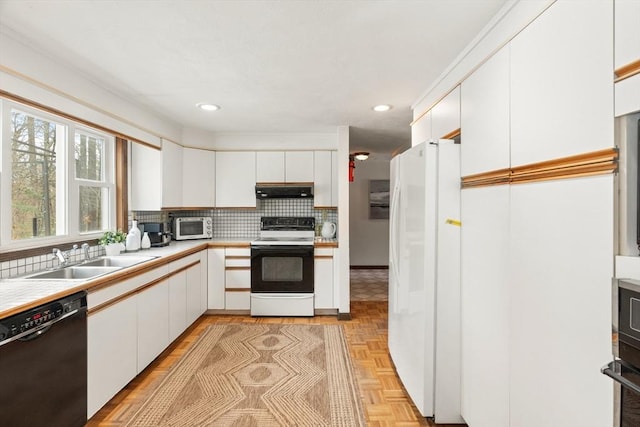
273	66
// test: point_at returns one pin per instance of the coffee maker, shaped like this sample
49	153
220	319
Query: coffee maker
159	233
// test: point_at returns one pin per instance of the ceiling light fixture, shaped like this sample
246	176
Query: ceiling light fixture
207	107
382	107
361	155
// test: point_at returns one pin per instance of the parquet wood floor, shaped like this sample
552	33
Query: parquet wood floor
384	399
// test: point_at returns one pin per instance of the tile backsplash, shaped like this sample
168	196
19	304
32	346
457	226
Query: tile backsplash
227	224
245	223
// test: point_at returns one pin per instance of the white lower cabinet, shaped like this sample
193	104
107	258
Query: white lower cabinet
560	302
485	306
215	279
153	322
112	342
177	304
323	278
131	322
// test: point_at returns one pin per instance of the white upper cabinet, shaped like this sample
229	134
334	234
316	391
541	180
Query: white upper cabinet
627	32
485	117
421	130
627	51
199	176
156	176
171	174
561	83
335	178
270	166
323	180
445	115
235	179
298	166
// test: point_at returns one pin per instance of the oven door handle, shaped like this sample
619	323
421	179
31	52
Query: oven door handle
613	369
291	250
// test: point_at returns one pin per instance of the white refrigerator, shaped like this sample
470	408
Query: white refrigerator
424	277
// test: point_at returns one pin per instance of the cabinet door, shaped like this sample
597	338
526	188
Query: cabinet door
112	342
445	115
323	278
627	32
270	166
298	166
171	174
215	279
561	91
484	306
235	179
153	322
177	304
485	116
335	178
193	297
322	183
560	321
421	130
146	178
199	178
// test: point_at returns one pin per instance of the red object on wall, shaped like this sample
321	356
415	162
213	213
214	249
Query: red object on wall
352	166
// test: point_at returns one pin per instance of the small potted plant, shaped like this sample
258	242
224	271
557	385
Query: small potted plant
113	242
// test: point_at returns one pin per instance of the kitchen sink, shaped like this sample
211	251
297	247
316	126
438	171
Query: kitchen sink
117	261
75	272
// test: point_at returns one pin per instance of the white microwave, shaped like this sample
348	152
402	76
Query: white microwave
188	228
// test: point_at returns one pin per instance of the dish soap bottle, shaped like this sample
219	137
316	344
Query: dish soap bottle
146	242
133	237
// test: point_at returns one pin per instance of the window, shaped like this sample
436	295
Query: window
57	179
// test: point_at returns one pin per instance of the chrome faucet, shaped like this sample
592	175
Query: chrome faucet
62	257
85	248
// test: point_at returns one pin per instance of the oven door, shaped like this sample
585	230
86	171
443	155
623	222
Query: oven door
282	269
627	392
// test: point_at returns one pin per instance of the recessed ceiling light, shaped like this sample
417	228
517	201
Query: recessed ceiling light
382	107
207	107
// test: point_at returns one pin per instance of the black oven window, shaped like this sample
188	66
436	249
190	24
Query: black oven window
191	228
282	269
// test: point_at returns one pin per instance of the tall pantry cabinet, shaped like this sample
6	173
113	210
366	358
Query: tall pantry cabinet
537	257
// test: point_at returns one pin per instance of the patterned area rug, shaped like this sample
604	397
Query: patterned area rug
259	375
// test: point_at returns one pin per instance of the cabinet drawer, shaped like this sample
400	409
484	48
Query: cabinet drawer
244	252
237	300
237	278
323	252
109	293
237	262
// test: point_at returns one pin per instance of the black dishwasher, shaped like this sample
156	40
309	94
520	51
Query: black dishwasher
43	365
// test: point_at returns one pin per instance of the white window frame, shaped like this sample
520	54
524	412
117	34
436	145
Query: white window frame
67	212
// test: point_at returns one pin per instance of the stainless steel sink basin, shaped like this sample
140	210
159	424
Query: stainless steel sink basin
75	272
117	261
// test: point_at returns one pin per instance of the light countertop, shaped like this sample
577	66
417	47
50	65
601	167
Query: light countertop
20	294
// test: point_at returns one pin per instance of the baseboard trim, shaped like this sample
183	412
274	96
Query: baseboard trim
369	267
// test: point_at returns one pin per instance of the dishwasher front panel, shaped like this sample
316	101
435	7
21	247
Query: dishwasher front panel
44	376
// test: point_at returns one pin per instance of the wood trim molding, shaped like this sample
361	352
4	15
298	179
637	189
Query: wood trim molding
588	164
237	268
626	71
122	183
496	177
453	134
237	289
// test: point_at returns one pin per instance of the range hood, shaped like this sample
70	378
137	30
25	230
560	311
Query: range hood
284	191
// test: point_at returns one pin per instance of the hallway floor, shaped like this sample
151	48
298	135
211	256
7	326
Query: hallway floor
369	284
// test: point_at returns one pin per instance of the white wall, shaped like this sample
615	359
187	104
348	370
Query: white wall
369	238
